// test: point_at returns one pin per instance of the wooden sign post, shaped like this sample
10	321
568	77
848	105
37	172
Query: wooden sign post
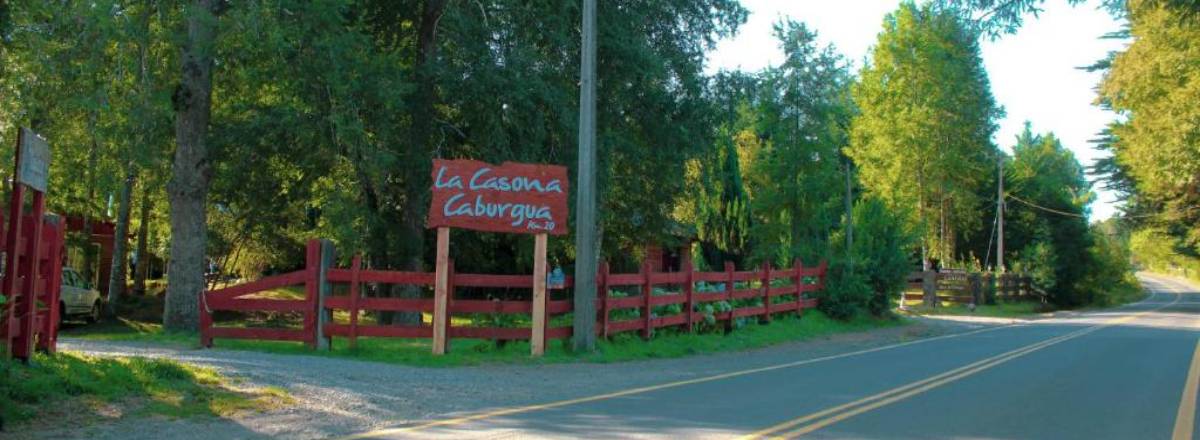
441	293
510	197
537	342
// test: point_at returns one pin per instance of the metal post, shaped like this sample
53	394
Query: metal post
584	336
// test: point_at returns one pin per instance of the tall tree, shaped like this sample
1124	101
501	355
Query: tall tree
922	138
191	170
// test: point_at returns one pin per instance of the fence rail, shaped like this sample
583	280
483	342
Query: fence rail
969	287
761	293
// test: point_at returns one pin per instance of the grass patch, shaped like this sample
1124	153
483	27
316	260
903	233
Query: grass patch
133	386
667	343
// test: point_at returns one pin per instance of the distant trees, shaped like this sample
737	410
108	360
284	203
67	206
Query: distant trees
922	137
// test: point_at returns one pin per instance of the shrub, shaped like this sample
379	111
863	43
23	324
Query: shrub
874	268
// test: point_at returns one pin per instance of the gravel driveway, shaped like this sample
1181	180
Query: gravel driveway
339	396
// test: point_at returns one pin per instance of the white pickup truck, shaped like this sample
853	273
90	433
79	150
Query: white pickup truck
78	299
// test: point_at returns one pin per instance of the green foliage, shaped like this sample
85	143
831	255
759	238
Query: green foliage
847	292
1039	261
926	116
1110	278
1152	84
881	251
1156	250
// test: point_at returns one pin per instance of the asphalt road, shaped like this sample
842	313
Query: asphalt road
1126	373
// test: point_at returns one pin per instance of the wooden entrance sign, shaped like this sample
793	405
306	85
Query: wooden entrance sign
511	197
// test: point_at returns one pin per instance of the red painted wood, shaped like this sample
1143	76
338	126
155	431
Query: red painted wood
12	261
26	303
265	283
277	334
711	296
711	277
625	279
622	326
311	284
766	291
784	290
355	277
500	281
690	296
627	302
647	290
798	285
745	293
668	321
465	183
258	304
383	276
558	333
488	306
747	275
559	307
748	311
379	331
668	278
506	333
605	300
729	291
668	299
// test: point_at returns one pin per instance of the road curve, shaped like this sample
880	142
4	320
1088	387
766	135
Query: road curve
1124	373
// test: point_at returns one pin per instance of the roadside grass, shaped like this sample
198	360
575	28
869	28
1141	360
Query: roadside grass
115	387
628	346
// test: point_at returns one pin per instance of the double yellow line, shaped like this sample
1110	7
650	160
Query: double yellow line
812	422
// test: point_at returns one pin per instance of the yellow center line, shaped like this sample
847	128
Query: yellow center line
847	410
646	389
1185	418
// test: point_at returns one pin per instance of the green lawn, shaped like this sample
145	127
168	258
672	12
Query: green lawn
137	386
623	347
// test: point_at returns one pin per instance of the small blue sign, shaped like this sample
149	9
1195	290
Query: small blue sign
556	279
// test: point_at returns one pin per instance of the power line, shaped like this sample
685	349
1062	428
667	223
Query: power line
1043	208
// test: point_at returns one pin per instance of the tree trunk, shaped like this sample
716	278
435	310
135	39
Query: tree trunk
117	278
188	190
143	259
412	229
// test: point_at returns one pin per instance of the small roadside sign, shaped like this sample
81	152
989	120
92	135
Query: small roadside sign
33	166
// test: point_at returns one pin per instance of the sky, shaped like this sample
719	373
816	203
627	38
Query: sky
1034	73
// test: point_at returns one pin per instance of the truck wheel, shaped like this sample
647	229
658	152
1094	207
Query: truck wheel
94	315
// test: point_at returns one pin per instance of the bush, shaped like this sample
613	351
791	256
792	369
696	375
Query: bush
873	270
846	293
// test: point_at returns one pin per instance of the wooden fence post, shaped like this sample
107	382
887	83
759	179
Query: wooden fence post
324	290
766	291
729	294
798	280
441	291
355	274
537	340
974	280
646	294
311	286
689	293
602	292
929	286
989	288
205	321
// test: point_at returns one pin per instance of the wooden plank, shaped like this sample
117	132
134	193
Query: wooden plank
625	303
711	277
505	333
785	290
271	334
745	294
729	291
746	275
497	281
690	296
748	311
668	278
558	332
602	279
668	321
312	266
265	283
625	279
647	289
537	342
382	304
441	292
490	306
798	285
384	277
667	299
766	291
259	305
355	273
379	331
559	307
621	326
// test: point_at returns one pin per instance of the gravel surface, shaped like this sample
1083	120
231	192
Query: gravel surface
337	397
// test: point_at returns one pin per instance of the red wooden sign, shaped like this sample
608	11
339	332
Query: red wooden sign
512	197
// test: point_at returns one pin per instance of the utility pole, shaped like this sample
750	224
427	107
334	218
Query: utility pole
849	202
583	338
1000	215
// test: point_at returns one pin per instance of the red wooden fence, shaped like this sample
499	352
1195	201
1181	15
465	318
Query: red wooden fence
767	284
